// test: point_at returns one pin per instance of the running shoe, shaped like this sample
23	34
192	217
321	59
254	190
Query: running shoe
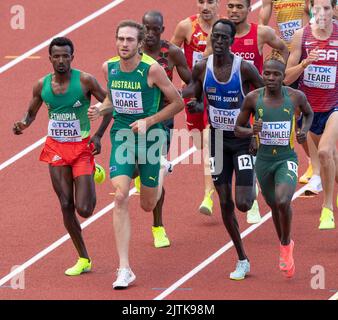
253	215
137	183
286	261
124	278
82	265
326	220
207	204
314	186
305	178
242	268
161	239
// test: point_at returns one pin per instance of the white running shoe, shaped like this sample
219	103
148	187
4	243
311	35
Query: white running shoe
242	268
314	186
253	215
124	277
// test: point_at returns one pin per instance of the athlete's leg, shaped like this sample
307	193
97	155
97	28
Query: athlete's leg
121	219
62	180
229	218
85	196
326	153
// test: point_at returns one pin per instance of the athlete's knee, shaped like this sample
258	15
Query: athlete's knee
244	204
67	205
121	196
148	205
283	203
85	211
325	154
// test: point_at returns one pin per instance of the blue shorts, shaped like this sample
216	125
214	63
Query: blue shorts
319	121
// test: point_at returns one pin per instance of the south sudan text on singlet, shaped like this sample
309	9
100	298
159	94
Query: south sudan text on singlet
68	119
131	95
276	140
225	98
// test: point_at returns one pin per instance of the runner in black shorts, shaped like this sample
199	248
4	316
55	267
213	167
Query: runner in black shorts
225	79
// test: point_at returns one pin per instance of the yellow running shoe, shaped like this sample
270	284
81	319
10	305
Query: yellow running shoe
161	239
207	204
307	175
82	265
326	220
137	183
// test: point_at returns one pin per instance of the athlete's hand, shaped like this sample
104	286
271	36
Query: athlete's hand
257	126
19	126
96	140
300	136
140	126
253	147
313	56
193	106
93	113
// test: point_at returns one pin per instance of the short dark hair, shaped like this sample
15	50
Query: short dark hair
61	42
154	13
133	24
226	22
333	3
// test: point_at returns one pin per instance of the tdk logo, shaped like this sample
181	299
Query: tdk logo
274	126
126	95
291	25
320	69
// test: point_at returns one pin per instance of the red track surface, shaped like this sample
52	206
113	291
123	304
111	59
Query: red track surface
30	218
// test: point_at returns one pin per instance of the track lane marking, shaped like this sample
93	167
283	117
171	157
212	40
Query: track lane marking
73	27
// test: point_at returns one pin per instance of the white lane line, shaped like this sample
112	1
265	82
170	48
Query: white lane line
26	151
218	253
334	297
85	224
73	27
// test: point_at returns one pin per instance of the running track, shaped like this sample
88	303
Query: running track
30	219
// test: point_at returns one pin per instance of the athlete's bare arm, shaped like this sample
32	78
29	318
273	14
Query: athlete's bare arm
181	33
208	49
178	58
302	106
268	36
250	77
248	108
195	87
33	108
92	87
265	12
295	67
158	77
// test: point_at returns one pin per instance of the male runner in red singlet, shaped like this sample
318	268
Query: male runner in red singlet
192	33
314	58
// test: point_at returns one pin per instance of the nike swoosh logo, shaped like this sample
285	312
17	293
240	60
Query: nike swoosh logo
307	43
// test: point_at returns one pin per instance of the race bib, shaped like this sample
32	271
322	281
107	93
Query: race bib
127	102
223	119
196	57
275	133
212	165
245	162
292	166
287	29
65	131
322	77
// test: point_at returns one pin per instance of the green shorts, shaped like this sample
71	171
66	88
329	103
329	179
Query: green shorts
129	149
271	173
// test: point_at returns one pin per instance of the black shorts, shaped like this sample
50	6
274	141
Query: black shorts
319	121
229	154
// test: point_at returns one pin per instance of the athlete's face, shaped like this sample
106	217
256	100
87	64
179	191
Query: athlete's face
323	13
154	29
127	42
273	74
208	9
61	58
237	10
221	39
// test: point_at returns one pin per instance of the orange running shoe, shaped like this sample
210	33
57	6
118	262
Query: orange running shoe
286	261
